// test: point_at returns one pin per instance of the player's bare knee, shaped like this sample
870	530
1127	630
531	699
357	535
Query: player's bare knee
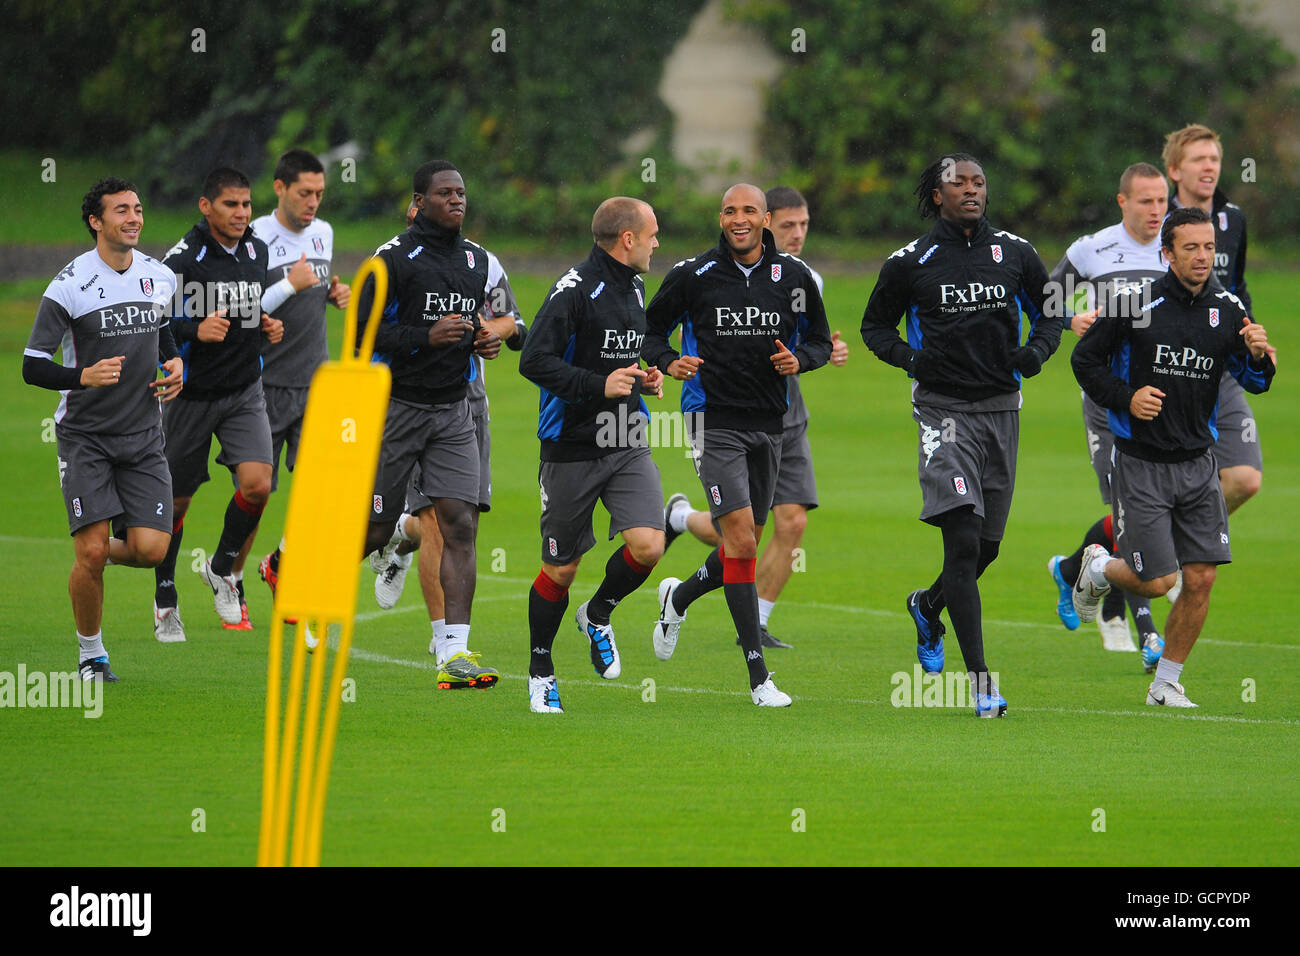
790	524
647	549
92	553
561	574
1199	577
1159	587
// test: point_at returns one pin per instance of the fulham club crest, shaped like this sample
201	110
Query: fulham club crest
318	244
146	286
252	250
716	494
379	504
1214	318
960	484
469	257
640	300
997	257
552	547
1223	221
776	272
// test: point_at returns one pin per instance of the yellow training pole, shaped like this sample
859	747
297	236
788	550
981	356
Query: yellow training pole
324	533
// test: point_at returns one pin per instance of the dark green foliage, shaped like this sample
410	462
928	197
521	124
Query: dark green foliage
883	89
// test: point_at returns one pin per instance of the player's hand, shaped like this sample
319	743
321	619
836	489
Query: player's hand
273	328
620	381
924	364
170	386
103	373
685	368
340	292
302	275
839	349
1146	403
1255	336
487	343
654	382
449	330
214	327
1026	361
784	361
1080	322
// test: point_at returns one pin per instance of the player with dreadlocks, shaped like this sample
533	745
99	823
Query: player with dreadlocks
962	286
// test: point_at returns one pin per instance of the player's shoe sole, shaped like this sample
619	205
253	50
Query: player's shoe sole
462	672
1085	595
668	628
604	649
1064	602
929	635
244	623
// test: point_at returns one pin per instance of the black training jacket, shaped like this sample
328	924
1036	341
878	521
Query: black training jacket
1181	344
432	272
210	278
1229	245
592	322
963	299
733	321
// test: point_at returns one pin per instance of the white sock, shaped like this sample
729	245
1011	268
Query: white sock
282	546
677	517
1168	671
764	611
92	646
439	636
455	640
1097	571
400	533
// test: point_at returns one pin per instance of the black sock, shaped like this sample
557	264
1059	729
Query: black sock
707	578
742	601
275	561
239	586
242	517
1071	566
164	575
932	601
622	576
1141	608
547	602
961	555
1112	605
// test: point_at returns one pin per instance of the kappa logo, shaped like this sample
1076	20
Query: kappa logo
597	291
1137	561
146	286
252	250
928	253
754	656
469	257
716	494
379	504
706	267
552	548
67	271
567	281
415	252
776	272
318	244
997	252
929	442
1214	318
76	507
960	484
1223	221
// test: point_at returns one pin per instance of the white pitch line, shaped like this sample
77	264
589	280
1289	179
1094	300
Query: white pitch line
428	665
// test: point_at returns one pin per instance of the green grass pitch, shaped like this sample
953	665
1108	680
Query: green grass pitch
697	775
